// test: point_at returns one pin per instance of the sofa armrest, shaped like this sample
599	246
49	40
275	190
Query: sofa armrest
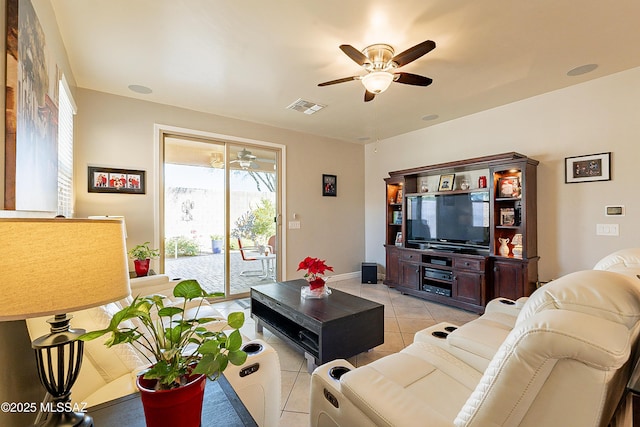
506	306
385	401
122	386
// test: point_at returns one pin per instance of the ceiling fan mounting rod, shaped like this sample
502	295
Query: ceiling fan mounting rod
380	56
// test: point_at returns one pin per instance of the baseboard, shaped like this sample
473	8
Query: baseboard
343	276
352	275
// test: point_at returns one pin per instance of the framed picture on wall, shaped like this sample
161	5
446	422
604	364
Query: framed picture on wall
31	113
329	185
110	180
592	167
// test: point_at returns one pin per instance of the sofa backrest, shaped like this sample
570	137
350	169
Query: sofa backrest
603	294
624	261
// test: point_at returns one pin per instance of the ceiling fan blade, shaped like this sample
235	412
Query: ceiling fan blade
343	80
413	53
412	79
354	54
368	96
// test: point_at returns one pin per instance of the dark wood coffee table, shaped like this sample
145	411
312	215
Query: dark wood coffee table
221	407
338	326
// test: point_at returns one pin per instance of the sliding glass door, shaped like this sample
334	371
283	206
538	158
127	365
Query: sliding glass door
220	207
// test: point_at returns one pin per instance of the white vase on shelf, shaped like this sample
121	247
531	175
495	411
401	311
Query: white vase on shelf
503	250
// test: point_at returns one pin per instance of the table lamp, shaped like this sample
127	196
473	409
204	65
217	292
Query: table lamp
54	267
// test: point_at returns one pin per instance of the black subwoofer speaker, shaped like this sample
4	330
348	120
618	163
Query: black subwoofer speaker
369	272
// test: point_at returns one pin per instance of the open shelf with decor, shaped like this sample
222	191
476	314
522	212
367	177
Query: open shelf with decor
468	230
514	237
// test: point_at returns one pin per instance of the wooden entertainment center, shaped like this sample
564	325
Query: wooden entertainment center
491	199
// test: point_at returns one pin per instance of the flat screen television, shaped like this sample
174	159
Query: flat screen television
448	221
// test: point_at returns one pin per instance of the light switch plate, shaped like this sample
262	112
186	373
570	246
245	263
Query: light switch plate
607	230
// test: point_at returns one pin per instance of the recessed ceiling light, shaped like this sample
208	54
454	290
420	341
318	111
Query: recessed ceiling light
364	138
583	69
140	89
430	117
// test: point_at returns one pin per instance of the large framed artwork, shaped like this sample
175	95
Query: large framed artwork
31	130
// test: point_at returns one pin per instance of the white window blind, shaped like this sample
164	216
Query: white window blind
66	111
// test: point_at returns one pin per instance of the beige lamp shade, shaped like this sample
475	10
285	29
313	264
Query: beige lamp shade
57	266
124	223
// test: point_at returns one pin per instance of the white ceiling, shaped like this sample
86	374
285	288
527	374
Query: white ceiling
250	59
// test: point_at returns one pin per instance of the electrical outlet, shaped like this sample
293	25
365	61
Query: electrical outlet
294	225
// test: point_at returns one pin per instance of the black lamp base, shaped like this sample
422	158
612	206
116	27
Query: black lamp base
59	358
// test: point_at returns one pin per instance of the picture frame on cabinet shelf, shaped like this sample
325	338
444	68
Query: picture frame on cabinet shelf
399	238
592	167
399	196
397	217
509	187
507	216
446	182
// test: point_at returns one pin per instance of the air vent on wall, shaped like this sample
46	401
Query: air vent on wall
306	107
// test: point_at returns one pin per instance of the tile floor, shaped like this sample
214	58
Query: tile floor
404	315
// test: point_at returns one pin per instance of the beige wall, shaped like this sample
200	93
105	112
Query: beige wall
118	132
593	117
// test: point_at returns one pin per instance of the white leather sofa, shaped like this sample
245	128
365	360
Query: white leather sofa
561	357
109	373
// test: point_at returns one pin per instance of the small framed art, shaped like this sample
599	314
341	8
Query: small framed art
110	180
592	167
398	238
507	216
509	186
329	185
399	196
397	217
446	182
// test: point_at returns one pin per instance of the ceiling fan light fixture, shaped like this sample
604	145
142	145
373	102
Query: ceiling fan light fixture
377	81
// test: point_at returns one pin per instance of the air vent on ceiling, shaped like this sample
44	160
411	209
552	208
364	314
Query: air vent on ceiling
306	107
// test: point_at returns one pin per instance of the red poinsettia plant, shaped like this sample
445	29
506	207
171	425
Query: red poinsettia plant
316	268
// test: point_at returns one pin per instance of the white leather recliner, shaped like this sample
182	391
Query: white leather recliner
624	261
110	373
564	362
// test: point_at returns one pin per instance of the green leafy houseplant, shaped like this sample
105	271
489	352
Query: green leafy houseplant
174	345
143	251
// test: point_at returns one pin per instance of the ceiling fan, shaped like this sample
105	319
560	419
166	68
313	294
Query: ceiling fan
246	160
216	160
380	63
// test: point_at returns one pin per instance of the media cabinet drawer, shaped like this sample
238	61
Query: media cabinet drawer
468	264
410	256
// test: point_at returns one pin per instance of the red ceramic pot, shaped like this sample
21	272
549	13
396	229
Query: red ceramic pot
142	267
180	406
